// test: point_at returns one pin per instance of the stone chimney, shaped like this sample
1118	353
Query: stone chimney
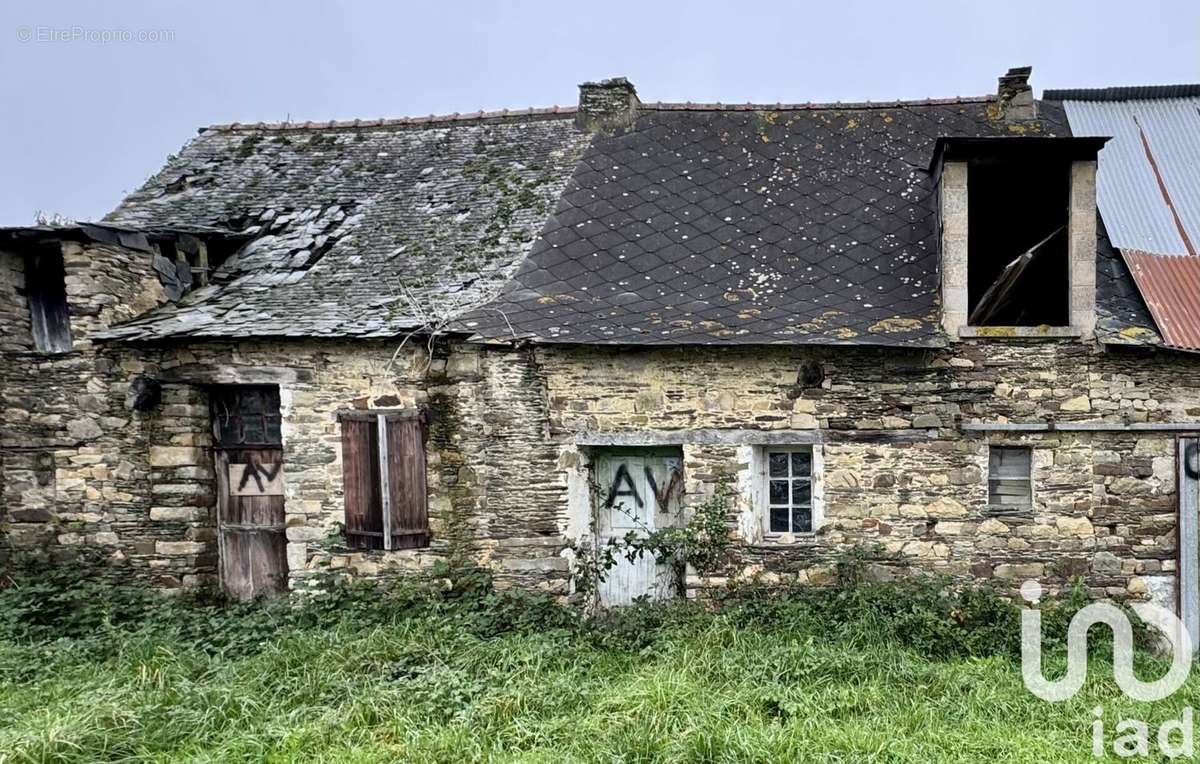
1014	96
608	105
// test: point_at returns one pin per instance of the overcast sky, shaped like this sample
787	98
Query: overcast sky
96	95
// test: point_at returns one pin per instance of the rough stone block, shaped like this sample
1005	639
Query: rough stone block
176	456
179	548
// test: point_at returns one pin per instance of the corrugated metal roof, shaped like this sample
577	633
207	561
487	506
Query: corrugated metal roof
1170	285
1122	93
1148	192
1148	187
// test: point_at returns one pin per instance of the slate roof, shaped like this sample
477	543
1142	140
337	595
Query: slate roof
706	224
356	230
749	225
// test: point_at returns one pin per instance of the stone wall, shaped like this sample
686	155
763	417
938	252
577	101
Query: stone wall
1103	501
512	431
72	455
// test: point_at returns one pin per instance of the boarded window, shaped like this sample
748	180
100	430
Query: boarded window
45	289
383	472
1009	482
789	490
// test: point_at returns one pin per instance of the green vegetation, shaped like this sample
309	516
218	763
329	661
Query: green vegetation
450	670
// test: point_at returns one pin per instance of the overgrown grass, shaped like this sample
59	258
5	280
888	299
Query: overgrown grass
454	671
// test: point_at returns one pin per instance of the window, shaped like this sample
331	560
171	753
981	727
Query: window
46	291
788	489
1009	482
1018	216
383	472
246	416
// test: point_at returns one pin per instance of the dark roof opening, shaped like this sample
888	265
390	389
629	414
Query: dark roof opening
1018	212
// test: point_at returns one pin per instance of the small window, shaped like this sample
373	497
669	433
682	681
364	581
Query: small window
46	291
246	416
1009	482
383	472
788	490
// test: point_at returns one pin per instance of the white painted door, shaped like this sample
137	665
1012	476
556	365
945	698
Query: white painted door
1189	535
639	492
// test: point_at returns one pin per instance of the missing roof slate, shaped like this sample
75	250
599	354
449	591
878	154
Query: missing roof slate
354	231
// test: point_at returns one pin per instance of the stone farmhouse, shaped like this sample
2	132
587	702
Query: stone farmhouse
928	328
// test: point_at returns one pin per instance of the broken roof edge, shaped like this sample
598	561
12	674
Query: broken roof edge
133	237
1123	93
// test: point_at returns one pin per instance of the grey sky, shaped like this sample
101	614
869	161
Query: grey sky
87	120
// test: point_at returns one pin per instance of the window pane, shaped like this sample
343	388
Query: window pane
779	492
802	519
779	520
252	430
801	492
801	463
250	402
777	464
1009	476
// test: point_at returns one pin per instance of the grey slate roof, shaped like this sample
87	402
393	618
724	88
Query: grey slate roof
366	230
720	225
707	224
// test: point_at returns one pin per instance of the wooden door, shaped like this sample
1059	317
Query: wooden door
248	457
639	492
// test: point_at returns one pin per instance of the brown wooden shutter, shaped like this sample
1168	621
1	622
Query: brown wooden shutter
360	481
406	481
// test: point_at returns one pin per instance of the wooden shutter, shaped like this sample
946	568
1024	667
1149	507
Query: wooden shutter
360	481
406	482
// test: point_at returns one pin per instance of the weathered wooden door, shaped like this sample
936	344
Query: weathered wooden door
1188	470
639	491
248	456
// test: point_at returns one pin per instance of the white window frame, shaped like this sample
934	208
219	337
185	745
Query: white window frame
762	499
1028	479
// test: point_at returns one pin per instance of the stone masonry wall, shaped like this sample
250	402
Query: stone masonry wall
510	428
72	455
487	445
1103	501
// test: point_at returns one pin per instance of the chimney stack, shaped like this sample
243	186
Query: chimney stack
1014	96
608	105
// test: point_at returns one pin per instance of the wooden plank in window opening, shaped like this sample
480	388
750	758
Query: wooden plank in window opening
46	292
406	479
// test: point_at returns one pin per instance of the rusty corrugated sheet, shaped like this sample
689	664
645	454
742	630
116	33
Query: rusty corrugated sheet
1170	285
